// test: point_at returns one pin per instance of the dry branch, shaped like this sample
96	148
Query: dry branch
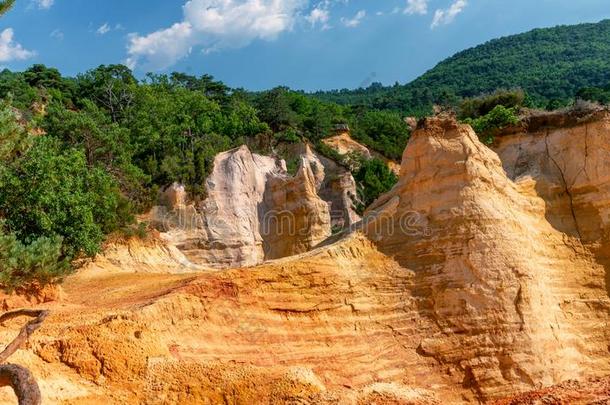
17	377
23	383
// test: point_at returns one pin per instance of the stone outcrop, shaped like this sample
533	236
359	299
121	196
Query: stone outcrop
566	163
516	297
481	275
335	184
153	255
296	218
344	144
232	212
254	211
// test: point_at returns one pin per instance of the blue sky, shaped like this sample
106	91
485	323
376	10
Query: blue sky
258	44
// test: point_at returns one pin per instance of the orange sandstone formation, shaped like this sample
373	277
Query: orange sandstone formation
481	275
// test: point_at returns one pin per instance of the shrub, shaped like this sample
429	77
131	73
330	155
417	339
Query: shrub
373	178
40	261
487	125
384	131
49	192
480	106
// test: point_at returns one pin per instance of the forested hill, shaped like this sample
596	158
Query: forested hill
550	64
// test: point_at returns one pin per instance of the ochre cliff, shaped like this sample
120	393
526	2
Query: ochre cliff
480	276
255	210
296	218
344	144
516	300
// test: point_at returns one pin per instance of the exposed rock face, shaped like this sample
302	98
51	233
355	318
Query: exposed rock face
344	144
295	219
335	184
232	212
146	256
254	211
473	285
335	325
174	196
569	167
517	301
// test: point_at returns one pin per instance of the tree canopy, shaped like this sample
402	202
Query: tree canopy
550	64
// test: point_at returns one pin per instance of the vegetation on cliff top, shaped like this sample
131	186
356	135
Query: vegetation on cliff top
79	157
550	64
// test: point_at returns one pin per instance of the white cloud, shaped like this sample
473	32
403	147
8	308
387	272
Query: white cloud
446	16
57	34
103	29
44	4
214	24
162	48
319	15
355	21
10	50
416	7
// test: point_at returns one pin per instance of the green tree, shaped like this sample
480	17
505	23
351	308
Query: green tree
111	87
384	131
5	6
275	110
51	192
40	261
105	144
498	118
373	178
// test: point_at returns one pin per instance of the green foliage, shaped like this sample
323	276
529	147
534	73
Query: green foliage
5	6
548	64
111	87
498	118
332	154
105	144
176	133
13	138
51	192
289	135
54	206
383	131
373	178
290	111
139	230
14	86
40	261
479	106
292	166
596	94
275	109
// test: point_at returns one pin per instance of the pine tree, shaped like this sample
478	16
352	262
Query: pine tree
6	5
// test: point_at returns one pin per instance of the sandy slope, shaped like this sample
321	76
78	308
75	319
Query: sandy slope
496	285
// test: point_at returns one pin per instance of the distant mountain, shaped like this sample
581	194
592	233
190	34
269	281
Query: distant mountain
550	64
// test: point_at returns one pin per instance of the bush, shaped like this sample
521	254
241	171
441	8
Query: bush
498	118
373	178
49	192
386	132
480	106
40	261
596	94
288	135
